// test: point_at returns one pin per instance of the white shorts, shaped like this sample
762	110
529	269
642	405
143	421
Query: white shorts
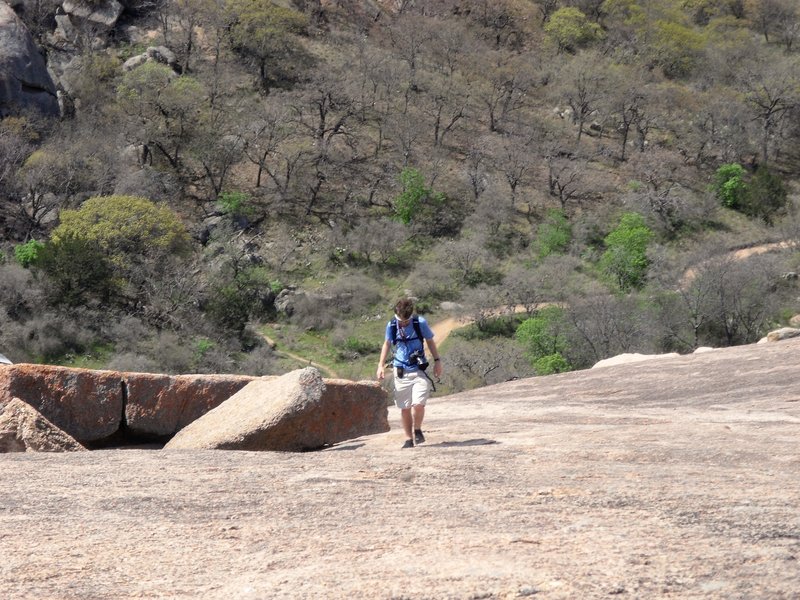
412	390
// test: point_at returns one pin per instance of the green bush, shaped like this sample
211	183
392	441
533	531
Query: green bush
729	185
625	259
765	196
554	234
543	337
26	254
415	196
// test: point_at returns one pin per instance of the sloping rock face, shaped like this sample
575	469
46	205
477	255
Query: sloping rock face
85	404
162	405
24	429
295	412
24	81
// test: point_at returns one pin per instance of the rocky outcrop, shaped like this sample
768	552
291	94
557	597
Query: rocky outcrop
623	359
85	404
162	405
24	80
783	333
295	412
24	429
103	14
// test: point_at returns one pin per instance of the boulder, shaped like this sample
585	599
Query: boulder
783	333
134	62
162	405
85	404
104	13
24	80
623	359
794	321
24	429
295	412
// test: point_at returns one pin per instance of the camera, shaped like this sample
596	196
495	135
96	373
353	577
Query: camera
418	358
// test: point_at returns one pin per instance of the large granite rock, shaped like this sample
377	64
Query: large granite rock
295	412
85	404
24	429
24	80
161	405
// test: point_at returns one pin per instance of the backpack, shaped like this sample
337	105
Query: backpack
414	322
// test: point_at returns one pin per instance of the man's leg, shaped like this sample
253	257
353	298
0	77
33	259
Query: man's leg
419	415
408	423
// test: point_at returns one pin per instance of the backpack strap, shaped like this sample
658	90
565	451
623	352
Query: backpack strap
414	322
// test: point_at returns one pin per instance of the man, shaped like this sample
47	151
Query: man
408	334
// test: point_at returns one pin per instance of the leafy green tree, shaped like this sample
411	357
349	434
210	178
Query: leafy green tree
765	195
265	33
165	112
544	340
570	29
554	234
625	259
676	48
415	196
110	246
729	185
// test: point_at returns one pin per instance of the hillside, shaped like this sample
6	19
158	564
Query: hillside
220	172
668	478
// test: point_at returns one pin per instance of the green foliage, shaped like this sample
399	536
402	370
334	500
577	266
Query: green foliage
676	48
264	32
544	340
26	254
415	196
625	259
550	364
240	296
570	29
554	234
106	243
729	185
765	195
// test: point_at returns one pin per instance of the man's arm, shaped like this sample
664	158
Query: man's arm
437	361
382	361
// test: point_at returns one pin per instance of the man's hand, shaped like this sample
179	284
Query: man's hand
381	372
437	368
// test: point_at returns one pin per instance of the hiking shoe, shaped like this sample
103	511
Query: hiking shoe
418	437
408	444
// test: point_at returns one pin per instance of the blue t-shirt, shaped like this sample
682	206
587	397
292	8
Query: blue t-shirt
408	342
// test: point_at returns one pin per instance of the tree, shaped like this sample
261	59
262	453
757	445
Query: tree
265	34
625	259
110	246
554	234
570	29
765	195
416	196
544	340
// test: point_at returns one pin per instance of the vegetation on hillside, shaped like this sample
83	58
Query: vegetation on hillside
304	163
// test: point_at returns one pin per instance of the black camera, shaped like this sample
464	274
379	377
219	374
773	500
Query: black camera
418	358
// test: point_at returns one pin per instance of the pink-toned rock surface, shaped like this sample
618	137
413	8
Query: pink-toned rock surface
669	479
161	405
24	429
85	404
298	411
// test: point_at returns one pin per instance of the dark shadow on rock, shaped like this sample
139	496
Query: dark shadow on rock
473	442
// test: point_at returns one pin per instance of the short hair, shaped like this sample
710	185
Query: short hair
404	308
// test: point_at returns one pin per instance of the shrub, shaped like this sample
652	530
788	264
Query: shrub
554	234
729	185
765	196
27	253
544	340
625	260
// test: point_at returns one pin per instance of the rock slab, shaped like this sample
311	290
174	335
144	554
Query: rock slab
162	405
296	412
24	429
85	404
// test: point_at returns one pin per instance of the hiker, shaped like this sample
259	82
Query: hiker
412	385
